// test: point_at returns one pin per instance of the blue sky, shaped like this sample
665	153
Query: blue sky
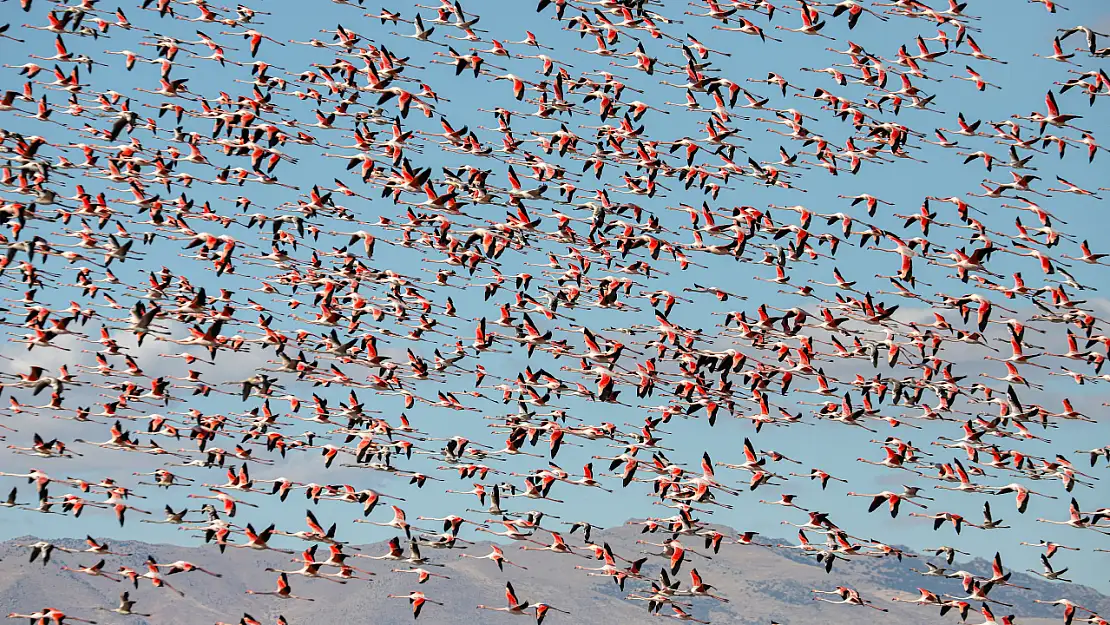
1015	32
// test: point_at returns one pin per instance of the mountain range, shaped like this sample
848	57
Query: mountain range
761	584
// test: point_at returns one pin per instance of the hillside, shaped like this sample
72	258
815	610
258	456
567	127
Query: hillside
762	585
